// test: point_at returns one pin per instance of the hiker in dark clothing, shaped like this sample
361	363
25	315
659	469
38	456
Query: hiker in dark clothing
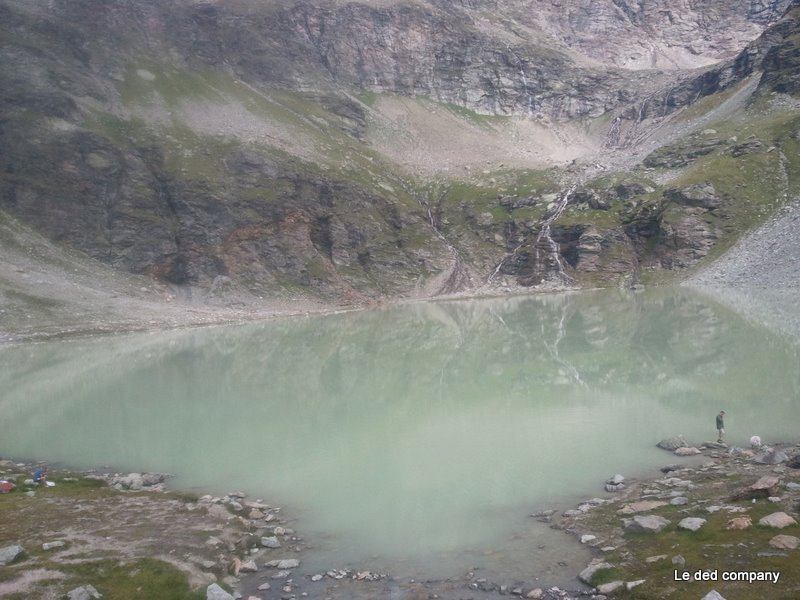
720	426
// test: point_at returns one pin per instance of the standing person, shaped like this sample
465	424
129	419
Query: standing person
720	426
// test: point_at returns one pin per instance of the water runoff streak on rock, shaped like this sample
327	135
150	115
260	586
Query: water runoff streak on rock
545	239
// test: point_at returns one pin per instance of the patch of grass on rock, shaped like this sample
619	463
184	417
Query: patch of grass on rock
144	579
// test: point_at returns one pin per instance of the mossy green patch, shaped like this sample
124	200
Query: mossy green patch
322	136
611	179
119	130
143	579
473	117
368	97
147	81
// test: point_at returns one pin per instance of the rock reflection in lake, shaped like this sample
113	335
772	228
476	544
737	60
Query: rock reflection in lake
411	431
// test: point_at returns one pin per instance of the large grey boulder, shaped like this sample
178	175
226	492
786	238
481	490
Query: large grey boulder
775	457
686	451
646	523
85	592
608	588
673	443
215	592
589	572
286	563
131	481
10	553
785	542
616	483
778	520
768	483
270	542
766	486
691	523
149	479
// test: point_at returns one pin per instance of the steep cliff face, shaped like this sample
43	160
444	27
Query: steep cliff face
635	34
251	150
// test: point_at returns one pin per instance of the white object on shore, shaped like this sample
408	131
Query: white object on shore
755	442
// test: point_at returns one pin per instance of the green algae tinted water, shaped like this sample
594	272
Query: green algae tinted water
413	435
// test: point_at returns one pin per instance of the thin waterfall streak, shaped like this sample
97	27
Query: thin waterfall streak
527	91
503	261
546	235
458	259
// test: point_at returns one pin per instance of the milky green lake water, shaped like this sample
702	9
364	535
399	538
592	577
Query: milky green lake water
415	437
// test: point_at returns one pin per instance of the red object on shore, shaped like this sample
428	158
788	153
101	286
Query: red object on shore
6	486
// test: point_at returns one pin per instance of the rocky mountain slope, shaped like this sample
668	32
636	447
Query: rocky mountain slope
760	276
248	152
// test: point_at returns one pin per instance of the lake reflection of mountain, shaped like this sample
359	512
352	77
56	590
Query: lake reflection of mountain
413	429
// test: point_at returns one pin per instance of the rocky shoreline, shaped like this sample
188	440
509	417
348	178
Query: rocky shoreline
225	547
720	525
91	518
646	536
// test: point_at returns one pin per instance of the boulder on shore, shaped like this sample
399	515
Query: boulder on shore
673	443
608	588
691	523
10	553
774	457
779	520
284	563
616	483
589	572
270	542
765	487
137	481
646	523
215	592
686	451
785	542
85	592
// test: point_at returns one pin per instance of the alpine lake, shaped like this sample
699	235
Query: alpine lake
414	439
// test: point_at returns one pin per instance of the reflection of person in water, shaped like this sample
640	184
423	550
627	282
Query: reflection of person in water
720	426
